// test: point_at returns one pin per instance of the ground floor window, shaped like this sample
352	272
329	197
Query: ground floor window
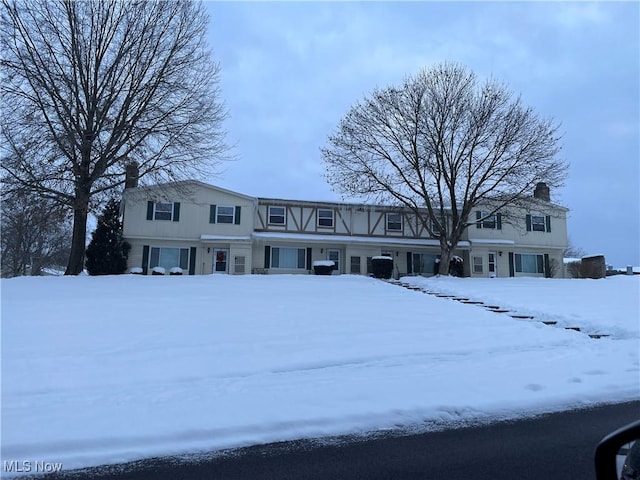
355	266
477	264
529	263
492	263
239	264
286	257
334	255
424	263
168	257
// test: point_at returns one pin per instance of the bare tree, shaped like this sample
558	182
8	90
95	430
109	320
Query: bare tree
573	251
441	144
35	235
574	265
88	87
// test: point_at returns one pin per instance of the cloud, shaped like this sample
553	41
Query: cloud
622	128
291	70
580	15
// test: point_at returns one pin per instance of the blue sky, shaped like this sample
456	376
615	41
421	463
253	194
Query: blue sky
291	70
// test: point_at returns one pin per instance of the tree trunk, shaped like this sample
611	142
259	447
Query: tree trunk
36	267
79	239
445	258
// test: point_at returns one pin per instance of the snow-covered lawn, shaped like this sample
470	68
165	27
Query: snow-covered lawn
107	369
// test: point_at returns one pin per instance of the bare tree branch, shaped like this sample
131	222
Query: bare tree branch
444	144
92	86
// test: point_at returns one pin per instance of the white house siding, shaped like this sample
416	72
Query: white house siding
195	226
354	230
319	247
301	233
517	237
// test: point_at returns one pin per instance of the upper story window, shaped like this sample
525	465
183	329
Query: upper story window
435	227
277	216
169	211
325	218
394	222
484	220
224	214
538	223
163	211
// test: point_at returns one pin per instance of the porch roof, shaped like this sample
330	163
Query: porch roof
350	239
225	238
490	241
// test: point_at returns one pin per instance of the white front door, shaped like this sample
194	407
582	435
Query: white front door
335	256
493	265
220	260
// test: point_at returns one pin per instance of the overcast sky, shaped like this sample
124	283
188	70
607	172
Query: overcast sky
290	71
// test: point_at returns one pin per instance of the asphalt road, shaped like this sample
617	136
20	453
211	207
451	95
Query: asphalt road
556	446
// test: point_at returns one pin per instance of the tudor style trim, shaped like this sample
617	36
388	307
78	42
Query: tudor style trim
207	219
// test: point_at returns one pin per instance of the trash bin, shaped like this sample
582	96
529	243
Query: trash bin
323	267
382	267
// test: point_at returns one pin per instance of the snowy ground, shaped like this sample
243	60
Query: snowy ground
102	370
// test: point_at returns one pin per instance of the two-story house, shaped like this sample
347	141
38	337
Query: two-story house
205	229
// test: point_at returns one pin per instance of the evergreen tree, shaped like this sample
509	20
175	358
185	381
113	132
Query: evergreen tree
107	253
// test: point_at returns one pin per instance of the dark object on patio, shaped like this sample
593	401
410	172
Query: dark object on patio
323	267
382	267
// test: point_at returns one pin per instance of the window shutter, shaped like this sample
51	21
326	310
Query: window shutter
540	262
149	210
212	214
478	217
528	223
409	262
192	261
511	270
145	258
236	219
309	258
267	256
548	220
302	258
547	266
499	221
176	211
518	262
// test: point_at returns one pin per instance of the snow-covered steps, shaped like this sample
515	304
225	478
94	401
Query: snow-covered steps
491	308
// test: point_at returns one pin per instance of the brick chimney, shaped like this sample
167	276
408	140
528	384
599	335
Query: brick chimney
131	175
542	192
